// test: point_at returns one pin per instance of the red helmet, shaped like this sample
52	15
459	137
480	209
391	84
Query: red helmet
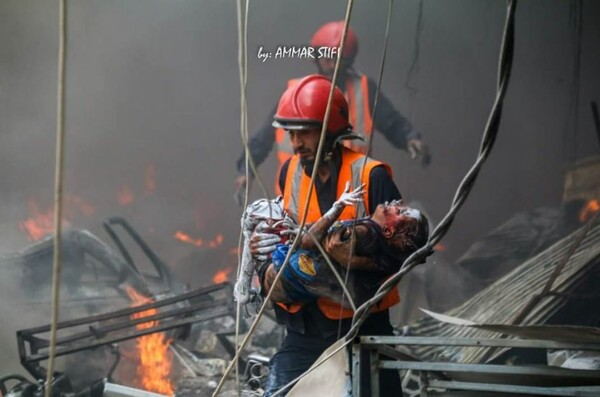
303	106
330	35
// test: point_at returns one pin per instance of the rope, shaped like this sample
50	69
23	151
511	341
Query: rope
243	74
58	190
487	142
369	145
302	224
488	139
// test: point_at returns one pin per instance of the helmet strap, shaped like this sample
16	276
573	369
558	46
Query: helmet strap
346	136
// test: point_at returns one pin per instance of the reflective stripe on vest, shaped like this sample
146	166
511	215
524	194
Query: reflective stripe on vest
357	94
295	198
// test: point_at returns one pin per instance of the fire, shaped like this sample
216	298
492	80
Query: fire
125	195
73	203
590	209
150	180
198	242
217	241
186	238
41	222
155	359
222	275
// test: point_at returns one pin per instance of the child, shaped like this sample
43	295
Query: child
381	244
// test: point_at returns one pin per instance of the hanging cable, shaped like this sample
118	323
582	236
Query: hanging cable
487	143
488	139
243	76
58	191
296	241
369	145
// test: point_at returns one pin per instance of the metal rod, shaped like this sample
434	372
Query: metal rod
369	341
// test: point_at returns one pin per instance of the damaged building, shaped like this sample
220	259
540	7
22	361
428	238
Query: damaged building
152	95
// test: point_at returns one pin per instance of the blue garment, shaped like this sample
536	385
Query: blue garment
301	271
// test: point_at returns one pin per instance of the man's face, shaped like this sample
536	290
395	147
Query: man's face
392	217
305	144
326	66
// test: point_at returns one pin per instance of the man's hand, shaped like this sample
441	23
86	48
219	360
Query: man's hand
240	186
417	148
279	294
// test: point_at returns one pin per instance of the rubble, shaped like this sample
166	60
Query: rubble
501	302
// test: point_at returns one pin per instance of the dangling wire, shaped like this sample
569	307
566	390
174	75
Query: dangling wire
243	75
296	241
369	145
58	190
487	142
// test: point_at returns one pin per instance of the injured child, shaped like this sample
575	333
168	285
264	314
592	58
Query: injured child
381	244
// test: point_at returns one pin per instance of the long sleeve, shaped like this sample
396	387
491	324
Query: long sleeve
260	144
393	125
381	188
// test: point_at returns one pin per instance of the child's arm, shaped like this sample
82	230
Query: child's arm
340	250
318	230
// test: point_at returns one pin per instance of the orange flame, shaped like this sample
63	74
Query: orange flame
125	195
155	360
41	222
590	209
198	242
75	202
150	180
440	247
186	238
222	275
217	241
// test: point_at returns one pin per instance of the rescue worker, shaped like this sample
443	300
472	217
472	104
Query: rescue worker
360	93
312	327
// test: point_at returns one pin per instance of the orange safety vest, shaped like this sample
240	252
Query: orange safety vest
357	94
295	197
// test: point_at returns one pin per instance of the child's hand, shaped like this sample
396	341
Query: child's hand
351	197
262	243
287	227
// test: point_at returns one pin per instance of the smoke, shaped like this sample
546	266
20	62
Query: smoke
154	83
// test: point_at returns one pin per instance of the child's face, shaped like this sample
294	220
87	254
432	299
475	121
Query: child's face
394	217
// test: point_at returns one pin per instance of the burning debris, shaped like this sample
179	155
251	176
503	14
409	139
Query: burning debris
198	242
40	223
167	334
155	359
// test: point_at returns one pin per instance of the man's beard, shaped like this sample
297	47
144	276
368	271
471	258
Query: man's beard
308	165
